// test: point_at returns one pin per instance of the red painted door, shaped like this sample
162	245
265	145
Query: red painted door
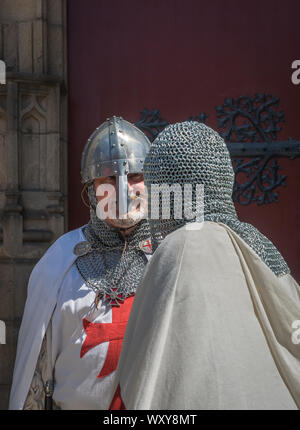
184	58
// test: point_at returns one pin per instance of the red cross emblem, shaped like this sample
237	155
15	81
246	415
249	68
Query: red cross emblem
146	246
113	333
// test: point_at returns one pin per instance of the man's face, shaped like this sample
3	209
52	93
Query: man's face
136	189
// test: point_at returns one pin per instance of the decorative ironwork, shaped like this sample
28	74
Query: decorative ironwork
250	119
151	123
249	127
264	179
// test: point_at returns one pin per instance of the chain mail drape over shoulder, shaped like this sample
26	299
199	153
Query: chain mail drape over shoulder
193	153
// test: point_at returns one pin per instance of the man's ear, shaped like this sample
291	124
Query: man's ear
83	193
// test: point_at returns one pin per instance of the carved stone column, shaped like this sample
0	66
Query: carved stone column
33	164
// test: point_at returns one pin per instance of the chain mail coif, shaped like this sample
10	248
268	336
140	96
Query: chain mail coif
193	153
111	266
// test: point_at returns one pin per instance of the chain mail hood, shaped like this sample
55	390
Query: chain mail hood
111	265
192	153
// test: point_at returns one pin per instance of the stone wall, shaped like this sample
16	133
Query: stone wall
33	153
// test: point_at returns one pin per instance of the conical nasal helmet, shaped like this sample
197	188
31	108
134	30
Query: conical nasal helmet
115	148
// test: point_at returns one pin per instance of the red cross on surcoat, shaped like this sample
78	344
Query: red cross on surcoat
113	333
148	245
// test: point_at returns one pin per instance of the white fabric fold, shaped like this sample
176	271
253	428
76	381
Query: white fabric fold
211	328
44	283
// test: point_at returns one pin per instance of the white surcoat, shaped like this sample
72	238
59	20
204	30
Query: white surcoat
84	340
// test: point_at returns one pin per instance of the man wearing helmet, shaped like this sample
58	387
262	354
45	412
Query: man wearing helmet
80	293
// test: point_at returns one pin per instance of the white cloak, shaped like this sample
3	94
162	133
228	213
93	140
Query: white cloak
39	306
211	327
